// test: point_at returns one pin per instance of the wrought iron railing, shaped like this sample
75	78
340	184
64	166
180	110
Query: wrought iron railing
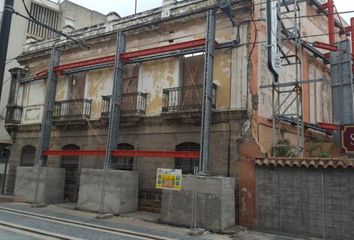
132	104
186	98
13	115
72	109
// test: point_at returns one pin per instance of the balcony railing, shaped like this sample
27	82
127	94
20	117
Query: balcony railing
132	104
72	109
13	115
186	98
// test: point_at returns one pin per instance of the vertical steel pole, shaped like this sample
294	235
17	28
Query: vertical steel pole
47	116
323	207
332	37
4	38
207	92
4	178
114	120
194	200
352	31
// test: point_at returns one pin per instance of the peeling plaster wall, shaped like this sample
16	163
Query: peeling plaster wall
99	83
153	78
33	99
316	97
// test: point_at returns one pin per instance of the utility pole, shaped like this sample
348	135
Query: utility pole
4	38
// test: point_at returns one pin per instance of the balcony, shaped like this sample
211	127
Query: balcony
13	115
132	104
74	109
185	99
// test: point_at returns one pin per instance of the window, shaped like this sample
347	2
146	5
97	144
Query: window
76	89
130	78
28	155
192	82
72	176
185	164
123	163
192	69
46	16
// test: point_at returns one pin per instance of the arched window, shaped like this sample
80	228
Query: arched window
123	163
28	155
187	165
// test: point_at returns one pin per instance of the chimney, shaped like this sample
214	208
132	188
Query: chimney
168	2
112	16
68	29
166	7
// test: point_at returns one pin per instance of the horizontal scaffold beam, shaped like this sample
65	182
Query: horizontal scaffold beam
126	56
125	153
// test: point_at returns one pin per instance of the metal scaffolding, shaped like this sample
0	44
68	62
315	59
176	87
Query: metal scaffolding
114	120
286	96
207	92
47	120
121	58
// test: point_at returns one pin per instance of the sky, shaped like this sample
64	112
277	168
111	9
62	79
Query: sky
126	7
122	7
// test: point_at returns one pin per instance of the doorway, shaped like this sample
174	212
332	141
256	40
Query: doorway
72	176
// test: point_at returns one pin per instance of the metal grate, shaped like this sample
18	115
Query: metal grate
132	103
187	165
71	166
188	98
72	109
28	154
46	16
123	163
13	115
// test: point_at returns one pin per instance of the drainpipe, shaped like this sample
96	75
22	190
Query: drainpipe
4	38
332	38
352	31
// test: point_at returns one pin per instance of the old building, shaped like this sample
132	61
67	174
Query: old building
162	96
55	15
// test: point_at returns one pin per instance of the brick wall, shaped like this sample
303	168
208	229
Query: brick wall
294	201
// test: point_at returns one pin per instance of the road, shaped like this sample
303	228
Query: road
22	222
19	222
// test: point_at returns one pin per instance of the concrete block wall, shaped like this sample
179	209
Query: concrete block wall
293	201
215	203
51	184
121	191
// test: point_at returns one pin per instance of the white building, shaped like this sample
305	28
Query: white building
52	13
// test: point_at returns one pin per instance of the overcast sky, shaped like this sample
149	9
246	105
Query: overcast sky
122	7
126	7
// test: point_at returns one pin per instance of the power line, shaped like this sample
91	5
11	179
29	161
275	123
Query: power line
31	18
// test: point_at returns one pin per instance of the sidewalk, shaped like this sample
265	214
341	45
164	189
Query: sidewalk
129	222
252	235
144	222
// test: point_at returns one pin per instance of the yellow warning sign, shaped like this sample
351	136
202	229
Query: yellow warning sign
169	179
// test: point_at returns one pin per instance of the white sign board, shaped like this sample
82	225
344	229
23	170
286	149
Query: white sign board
169	179
275	35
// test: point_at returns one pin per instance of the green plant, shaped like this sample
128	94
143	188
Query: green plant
282	149
324	155
315	147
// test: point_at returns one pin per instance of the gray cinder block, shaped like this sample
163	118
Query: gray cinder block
51	184
215	203
121	191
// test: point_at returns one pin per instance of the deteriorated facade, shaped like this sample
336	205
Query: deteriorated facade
162	98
